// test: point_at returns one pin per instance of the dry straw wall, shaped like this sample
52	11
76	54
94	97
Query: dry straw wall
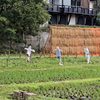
73	40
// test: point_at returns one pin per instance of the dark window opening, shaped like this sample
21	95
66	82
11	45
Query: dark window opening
76	2
73	2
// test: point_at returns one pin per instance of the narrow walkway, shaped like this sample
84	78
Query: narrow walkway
51	82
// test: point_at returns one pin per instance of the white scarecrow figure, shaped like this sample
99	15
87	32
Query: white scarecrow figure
58	55
28	53
87	54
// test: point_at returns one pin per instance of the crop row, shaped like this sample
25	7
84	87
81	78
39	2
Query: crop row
70	91
45	62
36	62
43	75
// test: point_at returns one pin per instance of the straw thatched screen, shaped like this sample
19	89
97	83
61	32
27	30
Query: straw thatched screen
73	40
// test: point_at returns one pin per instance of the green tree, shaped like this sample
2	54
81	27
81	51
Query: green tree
98	19
99	5
5	32
21	16
98	15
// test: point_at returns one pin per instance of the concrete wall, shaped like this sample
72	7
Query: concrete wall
59	2
34	41
73	20
56	1
67	2
91	4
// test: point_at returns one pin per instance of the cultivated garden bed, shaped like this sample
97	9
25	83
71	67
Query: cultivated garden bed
75	80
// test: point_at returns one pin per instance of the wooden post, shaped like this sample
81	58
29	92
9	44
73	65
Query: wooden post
9	55
20	55
63	60
68	54
7	61
76	54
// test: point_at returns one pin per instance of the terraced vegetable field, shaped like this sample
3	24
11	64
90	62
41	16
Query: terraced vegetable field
75	80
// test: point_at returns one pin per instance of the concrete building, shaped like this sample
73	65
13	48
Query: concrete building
72	12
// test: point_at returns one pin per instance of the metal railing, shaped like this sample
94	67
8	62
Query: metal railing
71	9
